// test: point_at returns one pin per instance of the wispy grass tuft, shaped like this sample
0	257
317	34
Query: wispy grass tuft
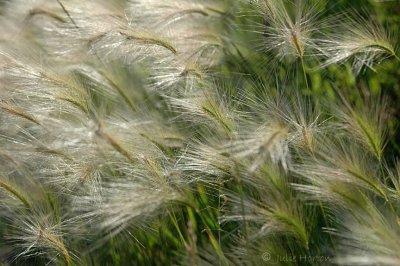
197	132
360	40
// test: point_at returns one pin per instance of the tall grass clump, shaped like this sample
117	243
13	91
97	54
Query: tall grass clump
196	132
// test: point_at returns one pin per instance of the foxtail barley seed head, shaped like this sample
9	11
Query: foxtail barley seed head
291	34
361	41
153	132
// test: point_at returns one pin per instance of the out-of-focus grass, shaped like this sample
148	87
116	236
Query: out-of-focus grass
226	155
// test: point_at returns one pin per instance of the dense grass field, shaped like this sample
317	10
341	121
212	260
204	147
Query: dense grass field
199	132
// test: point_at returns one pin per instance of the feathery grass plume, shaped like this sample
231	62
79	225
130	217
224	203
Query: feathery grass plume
111	84
101	82
370	237
262	143
126	139
113	38
171	76
195	26
305	127
73	177
129	44
268	127
204	107
366	122
203	159
337	196
121	139
15	192
165	14
291	34
303	120
200	50
37	234
81	155
69	136
164	136
359	40
18	112
341	172
26	17
8	162
127	202
394	177
271	209
198	30
45	157
47	87
17	10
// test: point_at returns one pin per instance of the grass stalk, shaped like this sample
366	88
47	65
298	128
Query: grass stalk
14	191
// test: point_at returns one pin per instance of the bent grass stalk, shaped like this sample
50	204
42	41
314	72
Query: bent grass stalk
115	144
18	112
52	239
122	91
146	38
38	11
14	191
375	146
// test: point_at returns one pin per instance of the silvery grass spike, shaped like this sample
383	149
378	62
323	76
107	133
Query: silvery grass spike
114	38
158	14
38	233
358	40
271	209
205	108
366	123
369	237
129	201
291	33
339	166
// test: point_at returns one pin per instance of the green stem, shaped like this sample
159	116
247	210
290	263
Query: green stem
304	72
